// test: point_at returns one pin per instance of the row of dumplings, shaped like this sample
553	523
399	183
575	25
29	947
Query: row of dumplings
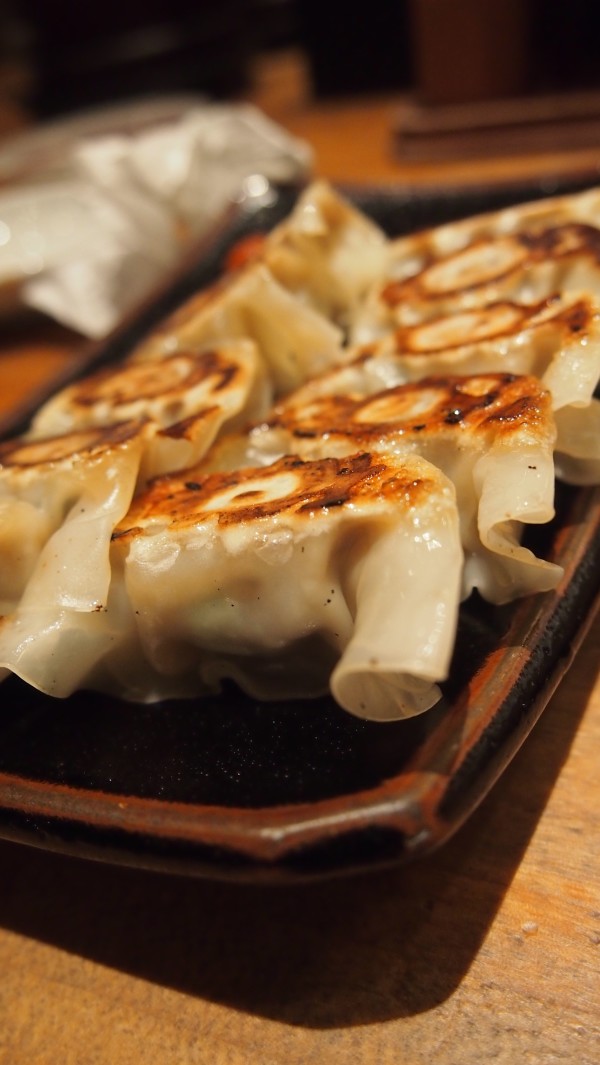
296	479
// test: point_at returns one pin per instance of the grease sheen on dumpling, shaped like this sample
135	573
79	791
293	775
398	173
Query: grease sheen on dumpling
185	400
525	253
165	528
60	500
492	434
279	577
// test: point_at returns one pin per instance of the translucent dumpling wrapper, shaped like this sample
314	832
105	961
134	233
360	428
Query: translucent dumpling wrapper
60	499
57	649
523	253
294	340
493	435
291	579
557	340
328	550
187	399
577	459
327	252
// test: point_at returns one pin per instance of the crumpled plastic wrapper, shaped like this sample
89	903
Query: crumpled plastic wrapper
133	203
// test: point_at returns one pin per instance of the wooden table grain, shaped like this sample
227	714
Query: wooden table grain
488	950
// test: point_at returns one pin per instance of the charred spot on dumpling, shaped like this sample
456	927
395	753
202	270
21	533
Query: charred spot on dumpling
289	486
80	445
432	405
186	400
171	376
492	259
484	260
557	242
451	401
517	410
187	428
498	320
578	316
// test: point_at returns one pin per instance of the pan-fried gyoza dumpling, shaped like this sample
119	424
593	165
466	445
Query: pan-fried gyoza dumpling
577	460
311	272
324	547
327	252
492	434
187	399
277	577
60	499
557	340
294	340
523	253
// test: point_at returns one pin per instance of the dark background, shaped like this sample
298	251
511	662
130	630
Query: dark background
447	51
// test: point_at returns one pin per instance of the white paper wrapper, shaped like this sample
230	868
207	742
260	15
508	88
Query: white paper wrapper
132	202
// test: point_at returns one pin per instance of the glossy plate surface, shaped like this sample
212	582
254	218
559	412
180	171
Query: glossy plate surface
232	787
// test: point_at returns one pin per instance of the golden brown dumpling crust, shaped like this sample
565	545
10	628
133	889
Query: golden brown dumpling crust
82	446
289	486
491	260
499	320
476	406
170	377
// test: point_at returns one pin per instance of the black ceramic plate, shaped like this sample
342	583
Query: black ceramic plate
233	787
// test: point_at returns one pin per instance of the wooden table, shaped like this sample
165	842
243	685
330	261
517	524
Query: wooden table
487	951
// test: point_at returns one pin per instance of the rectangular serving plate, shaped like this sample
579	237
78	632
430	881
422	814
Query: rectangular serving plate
232	787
